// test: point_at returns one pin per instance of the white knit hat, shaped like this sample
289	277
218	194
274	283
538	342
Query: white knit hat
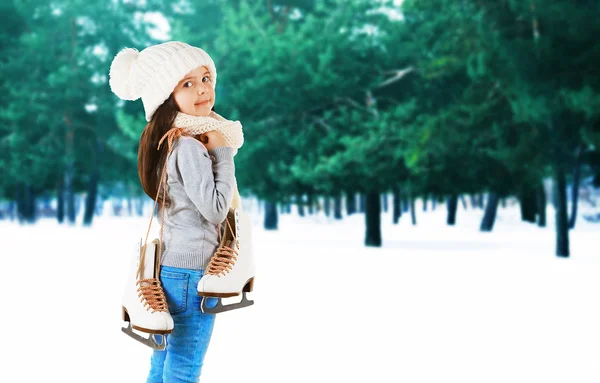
153	73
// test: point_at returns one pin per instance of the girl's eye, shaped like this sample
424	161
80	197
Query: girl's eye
205	77
187	82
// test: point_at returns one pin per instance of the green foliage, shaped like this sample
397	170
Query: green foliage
455	96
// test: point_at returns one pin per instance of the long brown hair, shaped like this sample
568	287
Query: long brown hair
151	160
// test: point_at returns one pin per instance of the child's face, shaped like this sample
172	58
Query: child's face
195	94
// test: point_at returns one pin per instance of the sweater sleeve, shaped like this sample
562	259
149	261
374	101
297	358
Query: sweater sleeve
208	184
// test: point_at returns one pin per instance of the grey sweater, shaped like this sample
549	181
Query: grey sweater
200	191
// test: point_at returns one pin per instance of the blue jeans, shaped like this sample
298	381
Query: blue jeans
181	361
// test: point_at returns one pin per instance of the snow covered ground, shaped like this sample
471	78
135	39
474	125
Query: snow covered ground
434	304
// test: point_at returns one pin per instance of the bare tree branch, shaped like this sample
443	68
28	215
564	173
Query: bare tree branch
323	123
255	24
356	105
398	74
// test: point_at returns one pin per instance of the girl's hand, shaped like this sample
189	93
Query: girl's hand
212	139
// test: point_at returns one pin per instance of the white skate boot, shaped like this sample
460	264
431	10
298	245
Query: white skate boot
144	303
230	271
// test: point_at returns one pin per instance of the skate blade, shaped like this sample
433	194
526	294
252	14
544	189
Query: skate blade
150	342
220	307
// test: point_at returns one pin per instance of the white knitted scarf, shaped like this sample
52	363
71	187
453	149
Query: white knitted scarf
231	130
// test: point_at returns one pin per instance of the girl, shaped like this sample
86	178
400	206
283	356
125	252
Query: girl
176	82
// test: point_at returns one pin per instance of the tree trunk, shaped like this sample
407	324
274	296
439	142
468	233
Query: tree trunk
270	215
92	195
560	189
452	205
397	211
413	211
310	202
361	203
25	203
384	202
473	198
575	191
69	196
337	206
463	201
33	211
60	199
327	205
405	202
373	219
562	228
12	205
425	198
20	194
29	211
90	200
350	203
489	217
300	204
527	200
541	205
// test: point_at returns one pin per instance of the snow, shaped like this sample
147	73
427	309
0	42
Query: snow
433	304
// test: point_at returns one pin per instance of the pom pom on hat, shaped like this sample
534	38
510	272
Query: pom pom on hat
120	74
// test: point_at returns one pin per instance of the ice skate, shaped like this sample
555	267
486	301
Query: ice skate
144	304
230	271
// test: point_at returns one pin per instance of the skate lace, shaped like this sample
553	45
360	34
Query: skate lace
224	258
152	295
150	290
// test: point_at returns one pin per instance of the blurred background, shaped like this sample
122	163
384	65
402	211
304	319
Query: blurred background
454	102
348	106
403	135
